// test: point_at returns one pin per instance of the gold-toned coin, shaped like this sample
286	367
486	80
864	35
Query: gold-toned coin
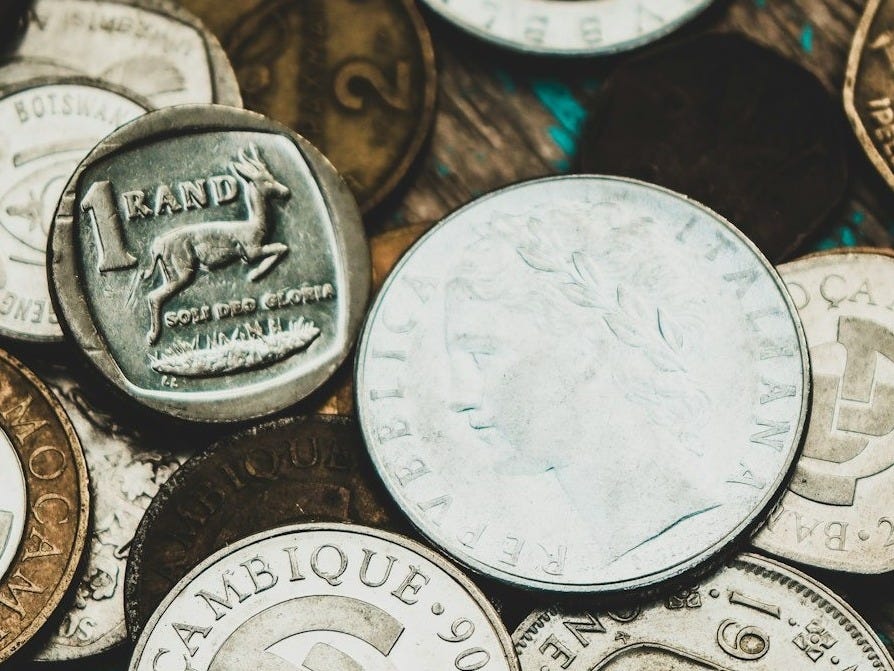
355	77
57	504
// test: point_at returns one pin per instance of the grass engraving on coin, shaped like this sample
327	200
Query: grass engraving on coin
236	251
583	384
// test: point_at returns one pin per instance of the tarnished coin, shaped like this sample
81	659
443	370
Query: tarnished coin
210	263
47	126
152	47
755	613
836	513
299	469
322	597
127	466
584	27
590	350
732	124
58	504
869	86
355	77
13	502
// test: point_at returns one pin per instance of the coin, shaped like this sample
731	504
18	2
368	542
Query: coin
274	230
297	469
330	596
153	47
57	508
835	514
355	77
755	613
763	144
867	86
127	465
13	501
585	27
47	126
557	349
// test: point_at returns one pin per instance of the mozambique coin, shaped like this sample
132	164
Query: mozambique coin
321	597
58	504
584	27
266	219
836	512
299	469
153	47
732	124
355	77
13	502
127	466
586	349
47	126
755	613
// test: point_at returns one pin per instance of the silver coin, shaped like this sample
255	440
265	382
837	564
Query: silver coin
755	613
584	27
322	597
13	502
211	263
127	467
153	47
583	384
836	513
47	127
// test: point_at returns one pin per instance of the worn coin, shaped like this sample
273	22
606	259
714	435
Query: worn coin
47	126
586	349
298	469
57	507
732	124
266	219
585	27
355	77
836	512
153	47
127	466
13	502
755	613
322	597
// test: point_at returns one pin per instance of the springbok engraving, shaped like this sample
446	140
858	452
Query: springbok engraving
216	244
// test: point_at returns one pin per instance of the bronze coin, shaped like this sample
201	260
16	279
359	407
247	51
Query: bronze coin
58	504
355	77
298	469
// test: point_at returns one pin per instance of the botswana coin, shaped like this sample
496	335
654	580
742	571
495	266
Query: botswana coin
298	469
732	124
210	263
355	77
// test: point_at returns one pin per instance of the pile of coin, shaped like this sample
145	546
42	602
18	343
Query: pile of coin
237	433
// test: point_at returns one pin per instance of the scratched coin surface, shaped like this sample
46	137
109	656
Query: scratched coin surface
663	345
210	263
322	597
584	27
298	469
152	47
58	504
127	465
47	126
13	502
734	125
836	513
355	77
755	613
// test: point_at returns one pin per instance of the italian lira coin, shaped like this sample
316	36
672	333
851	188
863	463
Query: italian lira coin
583	384
322	597
210	263
13	499
754	613
291	470
127	464
57	509
584	27
47	126
153	47
836	513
